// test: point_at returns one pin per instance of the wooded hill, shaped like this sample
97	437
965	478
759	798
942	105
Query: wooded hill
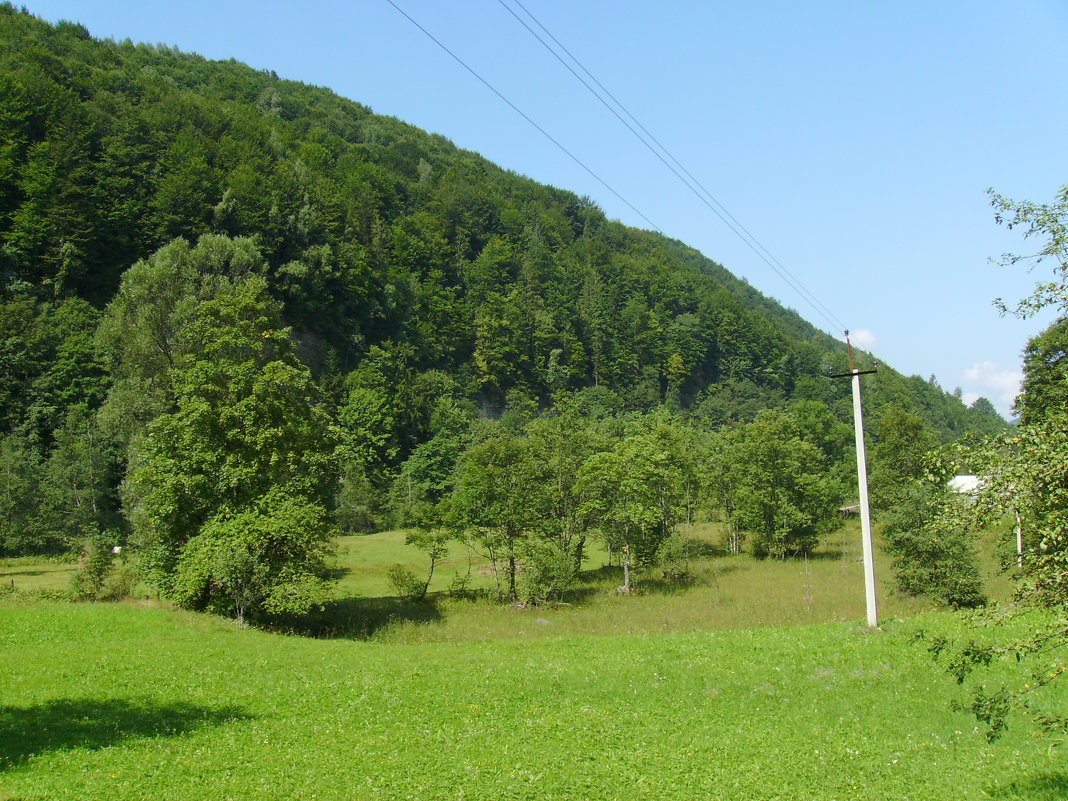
373	233
405	268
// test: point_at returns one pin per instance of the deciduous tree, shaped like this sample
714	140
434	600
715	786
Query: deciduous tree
634	494
248	453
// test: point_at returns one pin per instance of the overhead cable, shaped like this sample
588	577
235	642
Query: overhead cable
672	163
518	111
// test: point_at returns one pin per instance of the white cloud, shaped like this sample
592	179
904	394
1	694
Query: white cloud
1000	384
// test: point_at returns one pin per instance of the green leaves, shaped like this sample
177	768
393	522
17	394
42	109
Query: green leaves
269	558
1048	221
633	492
775	482
925	528
1044	393
228	492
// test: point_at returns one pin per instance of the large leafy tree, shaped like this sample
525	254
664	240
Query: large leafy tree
561	443
1044	393
495	497
1032	466
245	462
141	333
1025	478
427	476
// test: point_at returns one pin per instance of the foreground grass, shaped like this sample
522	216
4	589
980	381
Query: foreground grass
122	702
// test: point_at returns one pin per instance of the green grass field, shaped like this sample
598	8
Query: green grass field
36	575
121	702
757	681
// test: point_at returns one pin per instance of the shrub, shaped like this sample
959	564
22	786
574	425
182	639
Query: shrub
931	549
120	582
674	557
405	583
97	556
549	571
267	560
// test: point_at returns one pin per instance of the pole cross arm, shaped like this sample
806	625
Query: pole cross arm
852	373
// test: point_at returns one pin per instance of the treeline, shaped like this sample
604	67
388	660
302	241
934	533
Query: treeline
232	466
534	492
202	264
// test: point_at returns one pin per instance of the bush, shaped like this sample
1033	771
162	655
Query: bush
120	582
932	554
938	564
97	557
674	557
267	560
405	583
548	572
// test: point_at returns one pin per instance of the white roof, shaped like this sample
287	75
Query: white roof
964	484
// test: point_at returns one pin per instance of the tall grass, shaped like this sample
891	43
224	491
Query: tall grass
724	592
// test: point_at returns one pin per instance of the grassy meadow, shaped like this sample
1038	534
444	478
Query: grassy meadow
755	681
726	592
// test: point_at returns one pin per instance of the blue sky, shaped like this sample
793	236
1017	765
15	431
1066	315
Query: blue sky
853	139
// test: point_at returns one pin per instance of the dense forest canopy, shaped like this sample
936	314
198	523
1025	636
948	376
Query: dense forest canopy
228	296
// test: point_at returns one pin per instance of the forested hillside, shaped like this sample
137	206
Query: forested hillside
190	249
372	232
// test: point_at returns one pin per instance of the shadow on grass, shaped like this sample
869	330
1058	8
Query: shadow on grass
581	592
822	555
360	618
650	581
334	574
706	550
80	723
1040	787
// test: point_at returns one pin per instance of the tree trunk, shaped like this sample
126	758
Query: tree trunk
429	576
580	552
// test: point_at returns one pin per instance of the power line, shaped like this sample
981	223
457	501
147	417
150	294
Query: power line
518	111
660	151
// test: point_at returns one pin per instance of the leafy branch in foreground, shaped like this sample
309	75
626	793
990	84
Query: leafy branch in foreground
1024	478
1037	219
993	707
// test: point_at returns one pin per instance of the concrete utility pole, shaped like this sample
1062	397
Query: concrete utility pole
862	483
1019	538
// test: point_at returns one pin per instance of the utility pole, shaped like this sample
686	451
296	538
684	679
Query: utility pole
862	483
1019	538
